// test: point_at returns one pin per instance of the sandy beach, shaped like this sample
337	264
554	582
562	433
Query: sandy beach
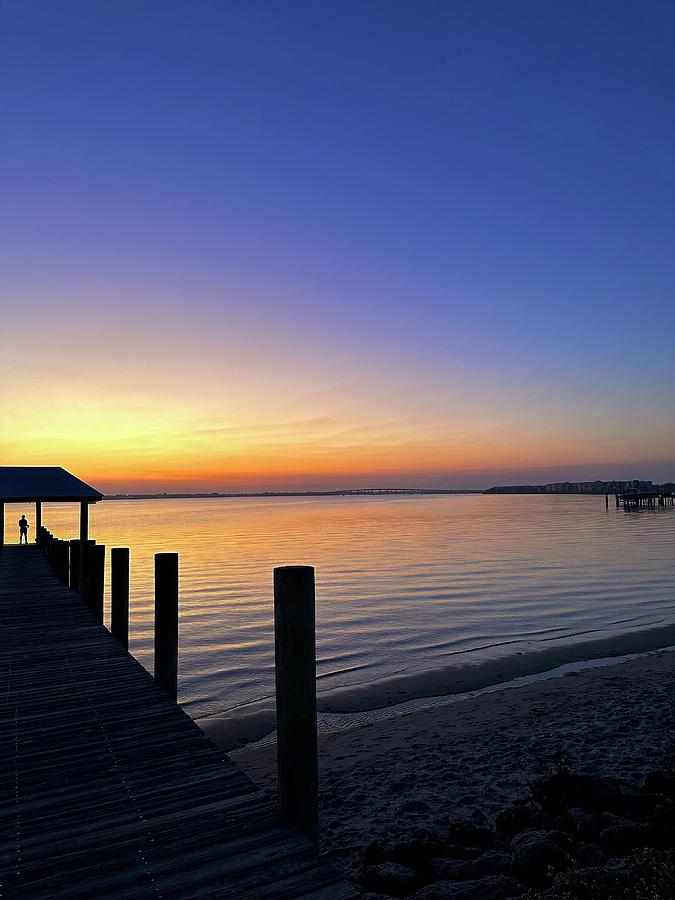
472	758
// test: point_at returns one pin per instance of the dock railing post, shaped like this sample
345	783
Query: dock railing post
54	555
119	595
96	580
63	562
295	671
85	547
166	622
75	551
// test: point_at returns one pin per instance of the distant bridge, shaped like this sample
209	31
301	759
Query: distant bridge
353	492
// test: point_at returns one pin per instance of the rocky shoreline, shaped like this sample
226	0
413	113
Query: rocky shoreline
574	837
401	792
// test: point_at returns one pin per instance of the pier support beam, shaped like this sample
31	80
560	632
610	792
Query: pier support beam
38	518
295	665
119	595
2	523
166	622
84	520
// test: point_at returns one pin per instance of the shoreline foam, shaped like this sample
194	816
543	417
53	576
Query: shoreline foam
254	722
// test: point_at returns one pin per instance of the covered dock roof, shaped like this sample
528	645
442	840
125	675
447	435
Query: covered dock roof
28	484
45	484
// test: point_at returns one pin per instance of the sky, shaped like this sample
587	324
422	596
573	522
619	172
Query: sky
268	245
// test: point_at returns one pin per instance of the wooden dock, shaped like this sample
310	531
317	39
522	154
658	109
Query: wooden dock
645	499
108	788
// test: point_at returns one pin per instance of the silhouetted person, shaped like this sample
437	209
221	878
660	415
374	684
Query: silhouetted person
23	529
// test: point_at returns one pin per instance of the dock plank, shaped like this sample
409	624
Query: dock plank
108	789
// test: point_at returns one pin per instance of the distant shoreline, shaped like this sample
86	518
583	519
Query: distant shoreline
361	492
506	490
540	490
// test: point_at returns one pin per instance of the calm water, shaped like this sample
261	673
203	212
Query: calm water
402	583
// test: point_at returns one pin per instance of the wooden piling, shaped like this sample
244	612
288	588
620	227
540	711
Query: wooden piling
96	579
166	622
85	547
75	551
295	667
57	558
119	595
84	520
63	561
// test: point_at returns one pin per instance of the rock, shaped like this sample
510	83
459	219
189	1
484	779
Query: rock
390	878
448	869
579	823
620	840
640	803
658	782
456	851
492	887
492	862
520	817
374	853
470	835
608	819
413	851
537	855
561	791
588	854
489	863
664	814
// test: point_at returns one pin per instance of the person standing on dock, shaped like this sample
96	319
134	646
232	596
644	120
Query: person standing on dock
23	529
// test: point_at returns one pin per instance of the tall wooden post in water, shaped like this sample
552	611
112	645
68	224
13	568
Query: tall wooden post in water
166	622
85	548
119	595
96	579
75	551
295	663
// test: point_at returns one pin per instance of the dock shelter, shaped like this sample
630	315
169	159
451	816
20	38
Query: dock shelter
45	484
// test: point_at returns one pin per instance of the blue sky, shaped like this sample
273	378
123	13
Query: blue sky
415	213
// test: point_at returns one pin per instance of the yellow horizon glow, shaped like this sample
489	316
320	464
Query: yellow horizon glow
172	415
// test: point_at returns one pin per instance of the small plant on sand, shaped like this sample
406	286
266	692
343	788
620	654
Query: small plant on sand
557	764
